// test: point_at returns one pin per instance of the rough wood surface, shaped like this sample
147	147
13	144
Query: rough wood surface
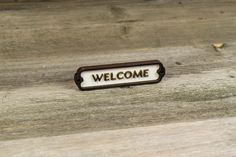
42	44
212	138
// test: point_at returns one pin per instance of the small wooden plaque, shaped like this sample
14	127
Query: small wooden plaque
119	75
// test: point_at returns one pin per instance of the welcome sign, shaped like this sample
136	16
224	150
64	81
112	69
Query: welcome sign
119	75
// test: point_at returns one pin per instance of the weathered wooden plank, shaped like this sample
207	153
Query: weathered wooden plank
203	138
42	45
35	31
51	109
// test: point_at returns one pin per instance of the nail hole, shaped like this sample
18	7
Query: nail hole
178	63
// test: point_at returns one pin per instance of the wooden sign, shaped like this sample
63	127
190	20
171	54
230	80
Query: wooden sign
119	75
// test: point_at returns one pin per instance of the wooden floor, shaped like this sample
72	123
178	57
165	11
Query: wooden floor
190	113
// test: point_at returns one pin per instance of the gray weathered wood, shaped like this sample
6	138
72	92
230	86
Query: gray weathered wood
204	138
42	45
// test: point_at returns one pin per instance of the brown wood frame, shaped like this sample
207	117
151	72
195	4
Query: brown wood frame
78	79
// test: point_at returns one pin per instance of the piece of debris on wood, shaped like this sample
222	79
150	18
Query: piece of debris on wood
218	46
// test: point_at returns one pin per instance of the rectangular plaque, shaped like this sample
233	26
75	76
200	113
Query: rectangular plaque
119	75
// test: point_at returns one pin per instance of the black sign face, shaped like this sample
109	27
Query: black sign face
119	75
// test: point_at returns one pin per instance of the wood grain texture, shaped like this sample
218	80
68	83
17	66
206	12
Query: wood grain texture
43	44
203	138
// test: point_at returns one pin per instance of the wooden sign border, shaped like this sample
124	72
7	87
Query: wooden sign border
78	79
